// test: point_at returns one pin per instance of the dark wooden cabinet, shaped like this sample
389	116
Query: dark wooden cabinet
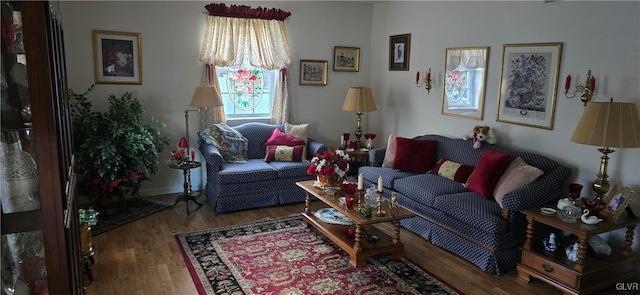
40	236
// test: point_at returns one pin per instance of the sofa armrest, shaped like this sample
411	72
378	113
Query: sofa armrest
376	156
211	155
541	191
314	147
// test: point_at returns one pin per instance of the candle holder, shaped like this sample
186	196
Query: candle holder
380	212
426	82
587	90
359	194
394	199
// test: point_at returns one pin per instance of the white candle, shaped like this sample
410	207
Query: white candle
380	183
360	182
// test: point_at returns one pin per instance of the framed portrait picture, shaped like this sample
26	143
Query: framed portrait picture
117	57
313	72
528	84
616	202
465	78
399	50
346	59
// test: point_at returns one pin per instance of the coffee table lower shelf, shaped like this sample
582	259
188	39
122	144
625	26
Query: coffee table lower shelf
359	248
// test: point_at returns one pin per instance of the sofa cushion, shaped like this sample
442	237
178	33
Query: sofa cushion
284	153
300	131
292	169
422	188
280	138
252	171
415	155
468	208
389	175
487	173
452	170
231	143
390	152
517	175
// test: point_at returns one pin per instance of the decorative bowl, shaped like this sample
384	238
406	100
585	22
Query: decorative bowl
570	213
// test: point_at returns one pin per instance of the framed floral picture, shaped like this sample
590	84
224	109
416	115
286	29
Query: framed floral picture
399	49
117	57
465	78
528	84
346	59
616	202
313	72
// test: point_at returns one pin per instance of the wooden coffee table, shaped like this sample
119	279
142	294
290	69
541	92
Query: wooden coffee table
359	248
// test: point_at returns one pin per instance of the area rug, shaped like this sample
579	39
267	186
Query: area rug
285	257
132	210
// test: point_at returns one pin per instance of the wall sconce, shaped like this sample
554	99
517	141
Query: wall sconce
426	82
587	90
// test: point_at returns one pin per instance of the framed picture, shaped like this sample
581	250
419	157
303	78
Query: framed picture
617	200
117	57
528	84
465	79
399	49
346	59
313	72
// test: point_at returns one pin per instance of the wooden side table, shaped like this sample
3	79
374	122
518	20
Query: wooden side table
358	159
590	273
187	195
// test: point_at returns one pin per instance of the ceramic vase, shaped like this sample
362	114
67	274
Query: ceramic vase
19	183
330	180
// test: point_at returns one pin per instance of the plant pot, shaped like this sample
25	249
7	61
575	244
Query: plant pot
111	204
330	180
85	239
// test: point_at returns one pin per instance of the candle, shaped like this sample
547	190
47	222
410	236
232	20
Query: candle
428	76
193	154
592	83
567	84
417	77
360	182
380	187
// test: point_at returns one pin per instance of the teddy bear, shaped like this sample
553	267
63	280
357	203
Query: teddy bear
479	134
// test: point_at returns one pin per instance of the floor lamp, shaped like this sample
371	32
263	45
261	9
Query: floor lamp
359	100
204	96
607	125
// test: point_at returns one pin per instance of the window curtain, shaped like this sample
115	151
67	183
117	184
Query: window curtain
211	115
469	58
259	33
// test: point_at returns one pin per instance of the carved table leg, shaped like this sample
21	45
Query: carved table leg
582	253
628	241
396	232
529	239
356	245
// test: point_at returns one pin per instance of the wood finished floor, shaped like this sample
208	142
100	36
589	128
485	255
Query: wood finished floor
142	258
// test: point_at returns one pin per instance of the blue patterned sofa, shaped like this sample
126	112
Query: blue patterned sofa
460	220
256	183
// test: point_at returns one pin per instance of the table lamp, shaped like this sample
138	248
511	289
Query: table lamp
607	125
359	100
204	96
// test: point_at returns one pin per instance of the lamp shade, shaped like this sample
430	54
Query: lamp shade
609	124
206	96
360	100
183	143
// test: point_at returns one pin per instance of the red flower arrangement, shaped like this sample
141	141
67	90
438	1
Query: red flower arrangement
349	189
128	182
330	163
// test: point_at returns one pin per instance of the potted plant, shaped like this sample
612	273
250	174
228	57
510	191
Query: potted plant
115	150
87	217
330	167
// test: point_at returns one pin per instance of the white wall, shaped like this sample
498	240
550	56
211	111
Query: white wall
601	36
172	33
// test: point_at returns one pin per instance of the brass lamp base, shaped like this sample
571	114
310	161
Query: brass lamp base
601	184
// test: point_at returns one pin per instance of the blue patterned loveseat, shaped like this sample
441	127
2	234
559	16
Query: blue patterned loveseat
460	220
256	183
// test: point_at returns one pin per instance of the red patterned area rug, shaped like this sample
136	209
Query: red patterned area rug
284	257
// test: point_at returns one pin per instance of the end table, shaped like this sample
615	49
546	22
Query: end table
187	195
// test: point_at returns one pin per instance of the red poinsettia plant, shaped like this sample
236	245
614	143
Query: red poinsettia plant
330	163
127	182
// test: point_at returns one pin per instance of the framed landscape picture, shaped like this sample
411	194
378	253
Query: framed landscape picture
399	50
465	78
346	59
117	57
313	72
528	84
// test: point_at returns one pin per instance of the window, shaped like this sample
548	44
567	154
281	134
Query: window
463	87
247	91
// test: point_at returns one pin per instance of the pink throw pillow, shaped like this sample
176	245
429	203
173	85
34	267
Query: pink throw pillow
390	153
487	173
280	138
517	175
415	155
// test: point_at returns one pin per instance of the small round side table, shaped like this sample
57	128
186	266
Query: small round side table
187	195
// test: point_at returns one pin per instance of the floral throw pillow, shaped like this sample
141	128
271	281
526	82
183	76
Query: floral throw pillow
231	143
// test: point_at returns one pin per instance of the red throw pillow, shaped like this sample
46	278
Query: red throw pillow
452	170
280	138
488	172
415	155
284	153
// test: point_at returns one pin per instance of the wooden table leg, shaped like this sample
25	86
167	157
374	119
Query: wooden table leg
582	254
628	241
530	228
358	237
396	232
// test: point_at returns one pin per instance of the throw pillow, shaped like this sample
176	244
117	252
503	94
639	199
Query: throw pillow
284	153
415	155
231	144
280	138
300	131
390	153
452	170
487	173
517	175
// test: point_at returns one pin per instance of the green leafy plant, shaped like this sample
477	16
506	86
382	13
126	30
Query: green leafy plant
114	150
88	216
